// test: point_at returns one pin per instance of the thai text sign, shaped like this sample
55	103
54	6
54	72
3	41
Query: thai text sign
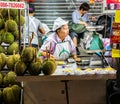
12	5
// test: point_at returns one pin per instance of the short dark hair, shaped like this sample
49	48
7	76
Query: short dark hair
84	6
31	8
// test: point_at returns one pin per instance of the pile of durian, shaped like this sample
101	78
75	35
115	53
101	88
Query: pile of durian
30	62
10	91
9	33
27	63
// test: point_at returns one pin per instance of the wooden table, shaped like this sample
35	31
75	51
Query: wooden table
70	89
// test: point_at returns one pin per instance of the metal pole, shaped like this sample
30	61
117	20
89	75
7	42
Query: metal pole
19	29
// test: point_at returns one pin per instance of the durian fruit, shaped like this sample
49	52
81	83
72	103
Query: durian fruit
0	62
35	67
0	95
28	54
22	12
22	20
11	60
11	94
1	79
48	67
11	25
16	57
49	59
20	68
4	12
1	23
16	35
2	49
13	47
10	78
13	12
0	38
2	31
8	38
17	92
3	56
8	95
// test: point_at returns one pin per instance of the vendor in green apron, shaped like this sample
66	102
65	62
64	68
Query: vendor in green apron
59	44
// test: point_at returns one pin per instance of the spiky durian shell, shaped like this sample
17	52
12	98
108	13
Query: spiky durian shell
11	25
28	54
48	67
1	23
8	38
20	68
22	20
13	47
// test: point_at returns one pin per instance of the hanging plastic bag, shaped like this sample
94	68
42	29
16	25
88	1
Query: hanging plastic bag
96	43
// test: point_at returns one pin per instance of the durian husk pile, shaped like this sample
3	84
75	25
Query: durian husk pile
34	65
29	62
10	92
9	29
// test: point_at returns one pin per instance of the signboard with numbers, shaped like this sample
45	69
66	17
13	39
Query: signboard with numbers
12	5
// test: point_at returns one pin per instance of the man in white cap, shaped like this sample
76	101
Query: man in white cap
59	44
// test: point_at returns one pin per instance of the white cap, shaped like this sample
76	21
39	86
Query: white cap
58	23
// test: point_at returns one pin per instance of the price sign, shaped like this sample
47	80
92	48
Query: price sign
12	5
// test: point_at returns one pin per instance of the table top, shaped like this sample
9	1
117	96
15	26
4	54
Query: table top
66	77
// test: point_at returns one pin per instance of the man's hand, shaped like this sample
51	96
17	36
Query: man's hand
77	59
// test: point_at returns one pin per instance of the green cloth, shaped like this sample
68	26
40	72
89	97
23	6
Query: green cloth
78	28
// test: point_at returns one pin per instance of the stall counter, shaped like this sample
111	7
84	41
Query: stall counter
65	89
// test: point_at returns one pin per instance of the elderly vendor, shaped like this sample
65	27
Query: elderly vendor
59	44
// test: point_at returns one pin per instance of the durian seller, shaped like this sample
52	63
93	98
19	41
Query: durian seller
33	25
58	44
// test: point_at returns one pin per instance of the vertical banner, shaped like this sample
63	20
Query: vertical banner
115	40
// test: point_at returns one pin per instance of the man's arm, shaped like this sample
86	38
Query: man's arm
42	30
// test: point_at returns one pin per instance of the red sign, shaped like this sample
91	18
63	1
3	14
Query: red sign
12	5
112	1
115	39
29	0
